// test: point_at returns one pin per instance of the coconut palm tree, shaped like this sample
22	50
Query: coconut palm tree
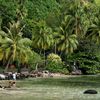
66	40
42	36
13	46
94	30
81	11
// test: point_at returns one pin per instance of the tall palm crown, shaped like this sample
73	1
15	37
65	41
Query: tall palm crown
13	46
94	30
42	36
82	11
66	40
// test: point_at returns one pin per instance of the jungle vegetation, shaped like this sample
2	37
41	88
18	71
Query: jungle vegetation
52	34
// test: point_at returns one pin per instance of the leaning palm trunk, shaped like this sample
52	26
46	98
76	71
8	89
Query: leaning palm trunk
8	62
6	68
36	68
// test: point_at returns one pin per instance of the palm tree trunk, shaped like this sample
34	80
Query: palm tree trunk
44	59
18	64
6	68
8	62
36	68
40	52
55	48
60	53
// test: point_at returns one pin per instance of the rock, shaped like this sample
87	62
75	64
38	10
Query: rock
0	86
77	72
2	76
90	92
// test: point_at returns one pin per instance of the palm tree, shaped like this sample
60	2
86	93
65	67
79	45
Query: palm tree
42	36
13	46
66	40
81	11
94	31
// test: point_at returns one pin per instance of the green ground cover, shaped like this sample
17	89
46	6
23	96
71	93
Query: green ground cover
67	88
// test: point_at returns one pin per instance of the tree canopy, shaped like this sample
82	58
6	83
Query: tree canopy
69	28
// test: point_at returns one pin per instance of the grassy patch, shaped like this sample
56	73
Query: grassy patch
69	88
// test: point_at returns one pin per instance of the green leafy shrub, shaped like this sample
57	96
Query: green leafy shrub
56	67
88	56
54	58
34	60
55	64
88	63
92	68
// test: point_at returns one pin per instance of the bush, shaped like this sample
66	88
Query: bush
89	69
88	63
34	60
54	58
55	64
56	67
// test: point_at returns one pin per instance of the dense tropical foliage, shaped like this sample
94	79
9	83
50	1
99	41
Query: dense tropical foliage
31	30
